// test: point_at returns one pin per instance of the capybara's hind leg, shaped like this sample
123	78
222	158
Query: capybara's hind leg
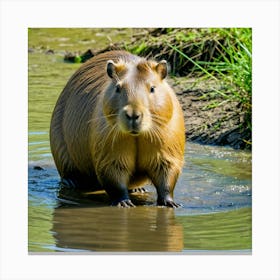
67	182
80	181
137	190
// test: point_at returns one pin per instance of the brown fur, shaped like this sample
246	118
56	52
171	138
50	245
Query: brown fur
111	130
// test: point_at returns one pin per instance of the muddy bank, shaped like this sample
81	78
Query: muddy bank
210	119
218	126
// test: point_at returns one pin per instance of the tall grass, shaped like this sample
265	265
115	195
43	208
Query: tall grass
232	65
222	54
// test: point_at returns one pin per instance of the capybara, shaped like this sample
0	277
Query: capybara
117	125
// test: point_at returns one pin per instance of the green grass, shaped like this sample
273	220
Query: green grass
233	66
220	54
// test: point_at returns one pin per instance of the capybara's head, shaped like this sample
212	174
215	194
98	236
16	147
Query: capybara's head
138	99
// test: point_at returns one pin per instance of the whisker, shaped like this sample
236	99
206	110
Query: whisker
151	136
108	135
158	120
158	134
148	135
102	117
116	134
154	116
155	135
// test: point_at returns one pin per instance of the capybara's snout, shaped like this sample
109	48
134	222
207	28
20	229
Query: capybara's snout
132	119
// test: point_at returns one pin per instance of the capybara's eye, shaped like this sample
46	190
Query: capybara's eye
152	90
118	89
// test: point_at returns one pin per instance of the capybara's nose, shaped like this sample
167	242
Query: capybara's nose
133	116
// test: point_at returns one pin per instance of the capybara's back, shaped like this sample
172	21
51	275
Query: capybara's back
117	125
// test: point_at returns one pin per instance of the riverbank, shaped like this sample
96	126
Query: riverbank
210	119
212	116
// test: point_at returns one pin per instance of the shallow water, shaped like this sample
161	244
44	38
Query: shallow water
215	190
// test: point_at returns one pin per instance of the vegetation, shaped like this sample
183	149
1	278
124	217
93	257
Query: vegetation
213	63
222	54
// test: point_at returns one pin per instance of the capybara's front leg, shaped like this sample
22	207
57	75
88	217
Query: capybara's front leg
165	198
164	180
117	189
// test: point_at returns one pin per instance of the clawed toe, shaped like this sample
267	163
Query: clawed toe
173	204
170	203
138	190
125	204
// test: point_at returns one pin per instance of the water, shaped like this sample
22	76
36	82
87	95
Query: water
215	190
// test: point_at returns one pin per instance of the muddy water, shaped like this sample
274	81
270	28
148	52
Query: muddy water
215	190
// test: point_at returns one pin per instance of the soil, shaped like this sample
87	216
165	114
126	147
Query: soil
207	123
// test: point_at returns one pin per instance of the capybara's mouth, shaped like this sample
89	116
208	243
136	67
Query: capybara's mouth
131	128
134	133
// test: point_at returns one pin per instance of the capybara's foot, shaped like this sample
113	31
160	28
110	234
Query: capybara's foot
138	190
67	183
124	204
168	203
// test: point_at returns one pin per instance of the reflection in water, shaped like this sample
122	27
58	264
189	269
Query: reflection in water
137	229
40	223
220	231
63	220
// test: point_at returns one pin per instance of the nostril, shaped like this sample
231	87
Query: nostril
129	117
137	118
133	116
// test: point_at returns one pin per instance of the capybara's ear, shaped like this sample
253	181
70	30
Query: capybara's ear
111	68
161	69
115	70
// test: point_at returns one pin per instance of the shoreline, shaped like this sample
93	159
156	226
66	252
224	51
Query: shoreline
209	119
